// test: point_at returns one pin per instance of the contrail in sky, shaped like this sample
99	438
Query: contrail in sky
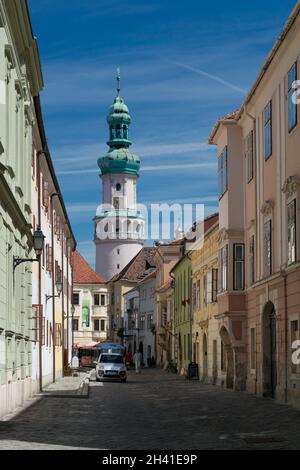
209	75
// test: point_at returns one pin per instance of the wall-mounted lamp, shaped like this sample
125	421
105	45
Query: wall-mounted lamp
38	245
59	288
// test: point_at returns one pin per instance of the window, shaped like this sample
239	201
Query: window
118	187
207	295
102	325
205	289
223	357
49	258
292	106
142	322
222	173
149	321
251	260
102	299
194	291
291	224
224	267
57	334
268	248
75	324
96	299
198	295
214	285
294	337
249	156
96	325
75	298
252	349
238	266
45	194
268	130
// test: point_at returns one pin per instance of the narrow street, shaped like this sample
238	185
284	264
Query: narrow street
154	410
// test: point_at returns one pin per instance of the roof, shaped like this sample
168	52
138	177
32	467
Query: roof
227	118
165	285
46	151
137	266
83	273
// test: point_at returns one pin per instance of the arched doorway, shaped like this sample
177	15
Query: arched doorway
228	359
269	350
204	357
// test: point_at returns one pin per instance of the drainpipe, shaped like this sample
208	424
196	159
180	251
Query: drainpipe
62	304
53	286
256	225
283	274
39	153
68	300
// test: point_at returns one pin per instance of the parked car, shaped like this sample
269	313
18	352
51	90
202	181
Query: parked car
111	367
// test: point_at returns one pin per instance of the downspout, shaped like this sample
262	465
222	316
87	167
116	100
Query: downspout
68	300
256	225
62	304
39	153
283	273
53	286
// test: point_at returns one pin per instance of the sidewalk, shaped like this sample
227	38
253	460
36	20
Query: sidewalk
69	387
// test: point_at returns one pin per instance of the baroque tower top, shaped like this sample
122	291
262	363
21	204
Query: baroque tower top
119	159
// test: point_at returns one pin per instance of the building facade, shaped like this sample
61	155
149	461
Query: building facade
123	282
52	275
259	174
20	81
91	301
119	226
166	343
183	312
208	350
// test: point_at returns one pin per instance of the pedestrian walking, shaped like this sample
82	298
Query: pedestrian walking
137	360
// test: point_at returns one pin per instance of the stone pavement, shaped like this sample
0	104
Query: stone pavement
73	386
154	410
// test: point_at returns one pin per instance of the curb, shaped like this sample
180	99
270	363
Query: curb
81	392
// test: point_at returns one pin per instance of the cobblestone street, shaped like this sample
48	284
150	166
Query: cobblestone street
154	410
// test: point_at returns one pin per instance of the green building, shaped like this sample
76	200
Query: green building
183	312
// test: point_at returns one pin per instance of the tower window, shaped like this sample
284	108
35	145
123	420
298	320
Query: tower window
118	131
118	266
118	187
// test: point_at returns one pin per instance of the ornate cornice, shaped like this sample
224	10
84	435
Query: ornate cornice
267	208
290	186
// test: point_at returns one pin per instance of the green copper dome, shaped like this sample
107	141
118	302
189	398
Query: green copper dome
119	159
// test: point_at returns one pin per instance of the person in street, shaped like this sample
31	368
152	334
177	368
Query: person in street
137	360
128	359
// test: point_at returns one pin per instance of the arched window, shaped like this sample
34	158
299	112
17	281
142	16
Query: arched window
118	187
118	131
125	132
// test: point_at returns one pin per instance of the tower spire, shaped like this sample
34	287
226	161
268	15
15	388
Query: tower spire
118	81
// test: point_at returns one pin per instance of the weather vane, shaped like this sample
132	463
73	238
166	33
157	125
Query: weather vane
118	80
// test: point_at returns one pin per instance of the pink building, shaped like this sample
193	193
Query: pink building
259	242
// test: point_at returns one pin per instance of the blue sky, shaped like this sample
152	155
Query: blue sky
183	65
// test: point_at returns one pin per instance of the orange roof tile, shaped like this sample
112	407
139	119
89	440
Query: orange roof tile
83	273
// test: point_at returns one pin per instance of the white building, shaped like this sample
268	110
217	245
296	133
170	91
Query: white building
52	276
119	226
20	81
91	300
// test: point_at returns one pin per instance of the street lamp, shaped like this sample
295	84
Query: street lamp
59	288
38	245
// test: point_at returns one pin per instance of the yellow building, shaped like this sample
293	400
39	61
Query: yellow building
208	350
